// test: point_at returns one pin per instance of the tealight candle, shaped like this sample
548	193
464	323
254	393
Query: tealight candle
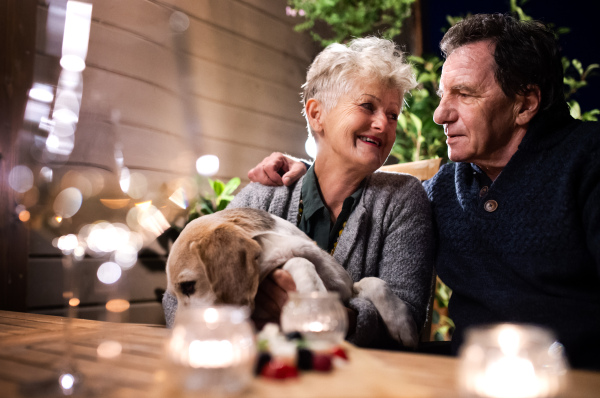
319	316
511	361
211	350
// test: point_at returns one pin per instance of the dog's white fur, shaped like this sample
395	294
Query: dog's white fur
222	258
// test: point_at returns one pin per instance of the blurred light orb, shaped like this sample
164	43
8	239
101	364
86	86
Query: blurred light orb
125	179
46	173
77	180
66	381
41	92
126	256
138	186
109	349
68	202
24	216
207	165
79	252
74	302
65	115
72	63
67	242
117	305
311	147
109	272
20	179
104	237
179	22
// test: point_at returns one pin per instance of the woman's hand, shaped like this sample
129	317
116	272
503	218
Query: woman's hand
272	295
276	170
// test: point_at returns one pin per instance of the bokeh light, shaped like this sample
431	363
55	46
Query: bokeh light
117	305
207	165
109	349
109	272
20	179
68	202
311	147
42	92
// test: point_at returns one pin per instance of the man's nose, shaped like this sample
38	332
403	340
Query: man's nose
444	113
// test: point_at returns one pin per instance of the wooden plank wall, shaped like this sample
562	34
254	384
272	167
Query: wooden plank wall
228	85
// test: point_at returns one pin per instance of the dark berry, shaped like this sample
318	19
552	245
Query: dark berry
263	359
305	359
339	352
293	336
321	363
279	370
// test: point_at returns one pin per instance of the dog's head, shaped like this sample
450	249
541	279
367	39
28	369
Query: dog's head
213	262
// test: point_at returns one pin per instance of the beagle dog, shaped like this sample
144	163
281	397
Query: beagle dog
221	258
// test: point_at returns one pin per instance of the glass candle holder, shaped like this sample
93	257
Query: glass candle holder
211	350
509	360
319	316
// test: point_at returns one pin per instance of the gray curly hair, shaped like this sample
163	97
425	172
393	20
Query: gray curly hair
338	68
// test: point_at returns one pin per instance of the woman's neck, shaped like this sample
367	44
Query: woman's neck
335	187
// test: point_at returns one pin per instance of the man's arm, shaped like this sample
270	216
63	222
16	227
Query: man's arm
278	169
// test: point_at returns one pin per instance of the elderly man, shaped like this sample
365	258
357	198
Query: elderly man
518	212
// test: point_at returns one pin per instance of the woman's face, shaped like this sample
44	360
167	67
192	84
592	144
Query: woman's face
359	132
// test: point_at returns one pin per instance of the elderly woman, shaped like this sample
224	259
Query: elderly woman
374	224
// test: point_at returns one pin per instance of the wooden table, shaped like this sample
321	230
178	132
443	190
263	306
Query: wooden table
31	346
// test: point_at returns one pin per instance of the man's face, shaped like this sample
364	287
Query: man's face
478	118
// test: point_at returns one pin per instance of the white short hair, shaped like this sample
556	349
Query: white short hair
338	68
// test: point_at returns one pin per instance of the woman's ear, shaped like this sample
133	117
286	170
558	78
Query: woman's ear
314	114
530	105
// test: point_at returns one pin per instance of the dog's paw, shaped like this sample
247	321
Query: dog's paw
305	275
395	313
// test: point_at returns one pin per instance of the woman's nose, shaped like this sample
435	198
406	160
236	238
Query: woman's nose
380	121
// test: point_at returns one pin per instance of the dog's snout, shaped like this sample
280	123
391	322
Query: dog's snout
187	288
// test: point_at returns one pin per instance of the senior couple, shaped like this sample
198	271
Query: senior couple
512	225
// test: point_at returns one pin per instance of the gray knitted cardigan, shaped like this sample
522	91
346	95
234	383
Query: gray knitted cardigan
388	235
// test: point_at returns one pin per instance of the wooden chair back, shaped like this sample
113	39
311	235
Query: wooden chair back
422	169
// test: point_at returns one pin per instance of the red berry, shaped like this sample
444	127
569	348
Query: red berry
339	352
279	370
321	362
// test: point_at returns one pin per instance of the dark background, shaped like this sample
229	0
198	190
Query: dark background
581	16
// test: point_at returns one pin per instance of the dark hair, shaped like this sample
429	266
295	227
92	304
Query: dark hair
526	53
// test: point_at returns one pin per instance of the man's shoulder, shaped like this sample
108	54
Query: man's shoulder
444	176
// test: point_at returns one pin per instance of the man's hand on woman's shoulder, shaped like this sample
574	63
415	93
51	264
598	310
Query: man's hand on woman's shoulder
277	169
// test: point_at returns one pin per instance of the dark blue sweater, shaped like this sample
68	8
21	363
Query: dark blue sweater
535	258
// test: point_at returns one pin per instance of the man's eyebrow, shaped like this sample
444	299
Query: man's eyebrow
458	87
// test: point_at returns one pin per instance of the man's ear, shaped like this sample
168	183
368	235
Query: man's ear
314	114
530	105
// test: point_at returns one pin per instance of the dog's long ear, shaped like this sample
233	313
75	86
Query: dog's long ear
231	260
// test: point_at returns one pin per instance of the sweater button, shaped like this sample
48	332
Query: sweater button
483	191
490	206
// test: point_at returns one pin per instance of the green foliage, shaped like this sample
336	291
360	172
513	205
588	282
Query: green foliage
352	18
445	325
214	201
417	135
575	79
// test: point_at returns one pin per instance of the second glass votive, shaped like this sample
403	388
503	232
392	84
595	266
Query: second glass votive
319	316
510	360
211	350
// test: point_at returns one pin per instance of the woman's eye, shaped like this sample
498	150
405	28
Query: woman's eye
393	116
368	106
